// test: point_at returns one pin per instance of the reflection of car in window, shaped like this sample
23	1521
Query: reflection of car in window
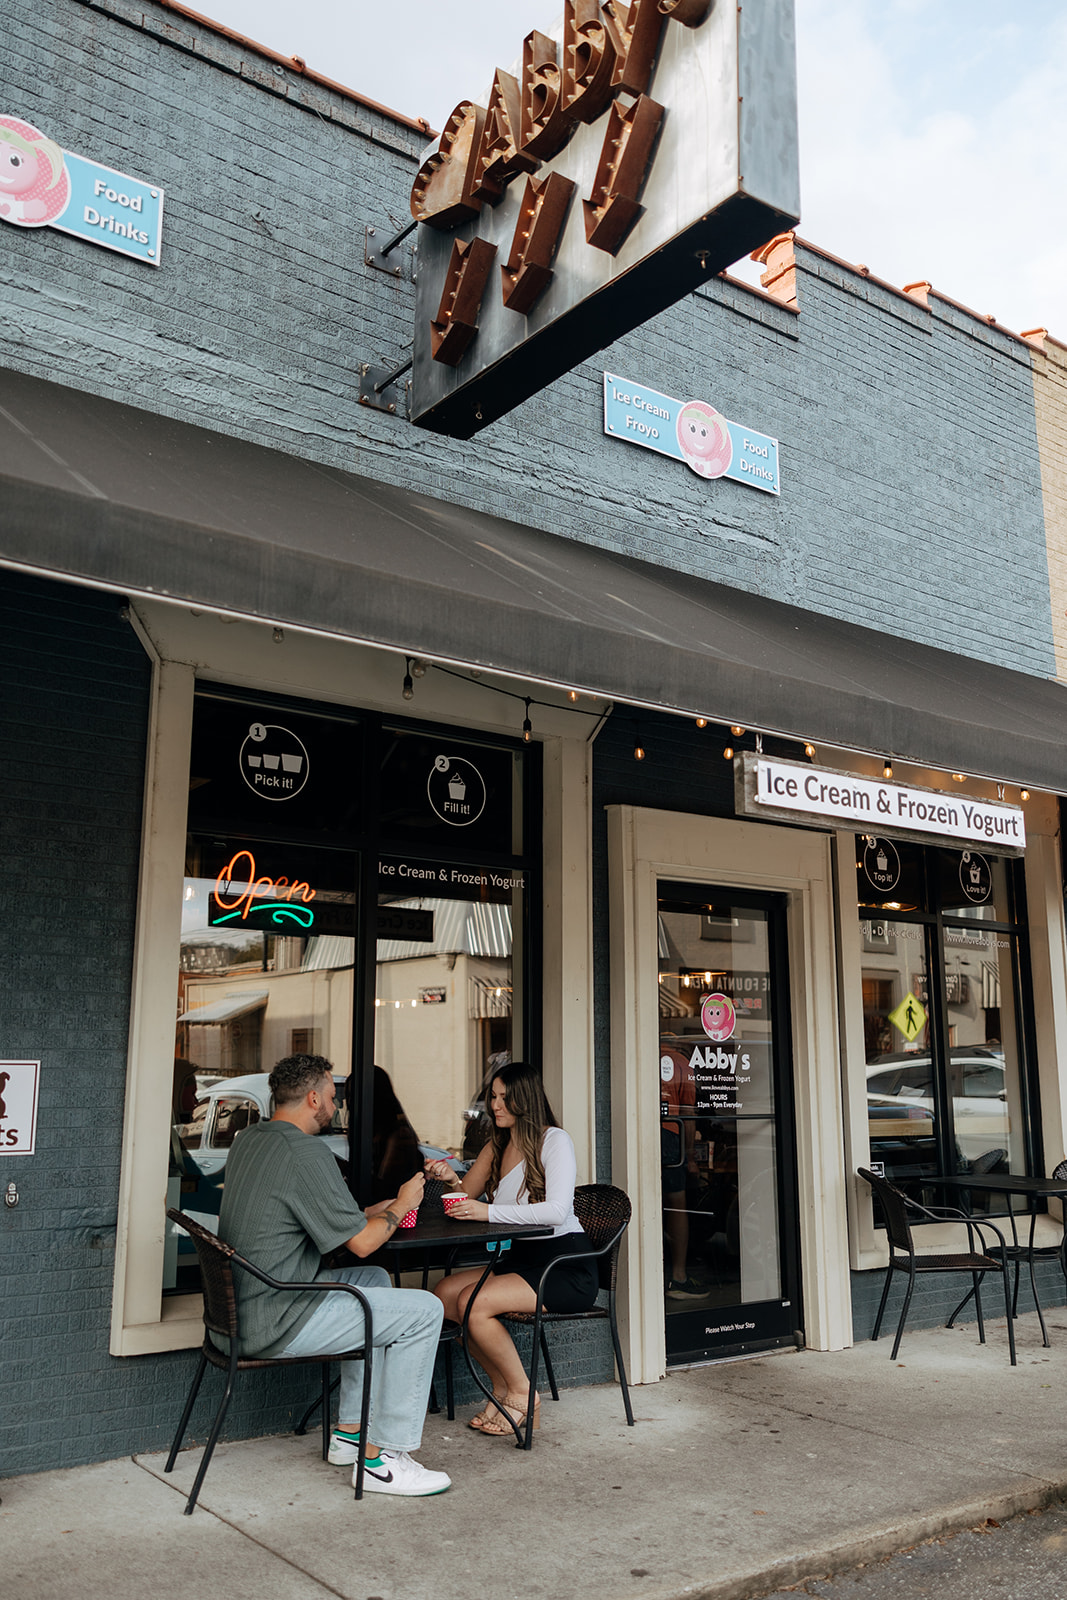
900	1100
222	1112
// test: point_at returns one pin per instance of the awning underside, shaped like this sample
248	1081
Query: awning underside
112	496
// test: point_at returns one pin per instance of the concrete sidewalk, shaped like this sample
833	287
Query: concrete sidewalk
736	1481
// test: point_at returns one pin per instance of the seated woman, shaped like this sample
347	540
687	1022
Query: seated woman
527	1172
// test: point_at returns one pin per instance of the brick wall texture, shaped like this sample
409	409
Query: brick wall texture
1050	406
911	502
911	483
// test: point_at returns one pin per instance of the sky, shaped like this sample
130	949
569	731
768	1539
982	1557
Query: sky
933	133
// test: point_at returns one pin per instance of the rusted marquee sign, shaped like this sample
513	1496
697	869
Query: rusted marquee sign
636	151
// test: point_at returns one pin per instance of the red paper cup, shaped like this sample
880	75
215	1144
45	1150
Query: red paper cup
450	1200
409	1219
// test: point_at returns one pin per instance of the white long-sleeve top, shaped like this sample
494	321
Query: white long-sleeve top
557	1208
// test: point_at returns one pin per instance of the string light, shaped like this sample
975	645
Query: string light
809	751
701	722
408	690
639	749
958	777
572	695
887	768
738	733
728	753
1024	794
527	725
418	669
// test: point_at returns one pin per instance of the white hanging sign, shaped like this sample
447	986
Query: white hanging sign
793	789
19	1084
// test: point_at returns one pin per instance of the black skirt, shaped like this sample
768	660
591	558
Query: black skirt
572	1286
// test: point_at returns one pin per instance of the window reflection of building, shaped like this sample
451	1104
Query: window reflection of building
250	998
443	1008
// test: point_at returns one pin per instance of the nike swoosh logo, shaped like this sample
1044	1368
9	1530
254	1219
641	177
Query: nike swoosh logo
382	1477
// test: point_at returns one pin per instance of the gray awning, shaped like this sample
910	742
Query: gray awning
227	1010
116	497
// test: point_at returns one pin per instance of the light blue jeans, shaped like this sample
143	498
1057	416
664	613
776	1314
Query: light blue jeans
407	1324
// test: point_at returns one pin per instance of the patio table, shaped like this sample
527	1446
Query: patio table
1010	1183
443	1236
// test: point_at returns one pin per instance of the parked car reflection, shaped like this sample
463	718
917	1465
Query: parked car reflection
202	1144
901	1109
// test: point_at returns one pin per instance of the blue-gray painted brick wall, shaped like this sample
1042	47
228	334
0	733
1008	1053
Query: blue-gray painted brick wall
910	478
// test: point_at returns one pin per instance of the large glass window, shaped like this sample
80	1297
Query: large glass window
355	889
942	943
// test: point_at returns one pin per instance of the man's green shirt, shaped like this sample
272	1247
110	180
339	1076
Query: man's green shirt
284	1206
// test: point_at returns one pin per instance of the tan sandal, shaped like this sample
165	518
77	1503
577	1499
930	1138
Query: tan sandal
499	1426
488	1415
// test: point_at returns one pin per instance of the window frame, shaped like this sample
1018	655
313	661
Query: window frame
934	920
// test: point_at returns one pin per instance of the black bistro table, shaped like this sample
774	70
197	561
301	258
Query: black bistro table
1032	1190
439	1239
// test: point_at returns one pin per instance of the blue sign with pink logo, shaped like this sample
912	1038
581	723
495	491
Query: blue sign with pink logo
691	431
43	186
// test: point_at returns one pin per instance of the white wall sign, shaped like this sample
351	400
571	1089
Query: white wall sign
792	789
19	1083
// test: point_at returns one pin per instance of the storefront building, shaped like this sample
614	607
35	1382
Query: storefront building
732	800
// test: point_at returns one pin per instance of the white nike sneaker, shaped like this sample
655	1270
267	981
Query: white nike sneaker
396	1473
342	1452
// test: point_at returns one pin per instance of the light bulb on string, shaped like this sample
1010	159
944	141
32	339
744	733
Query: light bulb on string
527	725
809	751
701	722
728	753
738	733
408	690
887	768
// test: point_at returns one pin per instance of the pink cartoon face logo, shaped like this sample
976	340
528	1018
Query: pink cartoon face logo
34	185
704	439
717	1017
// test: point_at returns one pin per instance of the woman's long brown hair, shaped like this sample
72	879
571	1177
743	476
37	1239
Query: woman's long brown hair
524	1096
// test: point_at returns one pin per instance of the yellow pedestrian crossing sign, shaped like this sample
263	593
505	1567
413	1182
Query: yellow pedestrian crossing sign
909	1017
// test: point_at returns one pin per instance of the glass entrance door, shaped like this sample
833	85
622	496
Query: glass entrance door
727	1148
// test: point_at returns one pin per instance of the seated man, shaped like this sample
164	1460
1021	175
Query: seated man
284	1206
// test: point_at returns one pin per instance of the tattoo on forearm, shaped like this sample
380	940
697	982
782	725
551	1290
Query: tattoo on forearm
392	1219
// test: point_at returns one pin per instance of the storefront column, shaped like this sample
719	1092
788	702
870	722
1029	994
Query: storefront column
150	1068
1048	962
568	947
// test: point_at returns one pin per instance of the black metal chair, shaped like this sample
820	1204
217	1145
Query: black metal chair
1042	1252
604	1213
217	1261
903	1257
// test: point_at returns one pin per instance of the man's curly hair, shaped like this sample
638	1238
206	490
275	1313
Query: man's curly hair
296	1076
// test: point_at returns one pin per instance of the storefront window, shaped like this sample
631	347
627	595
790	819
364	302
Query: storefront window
313	834
267	962
942	974
445	1002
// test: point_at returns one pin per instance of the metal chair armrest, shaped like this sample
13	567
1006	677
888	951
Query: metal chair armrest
954	1214
580	1255
319	1286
